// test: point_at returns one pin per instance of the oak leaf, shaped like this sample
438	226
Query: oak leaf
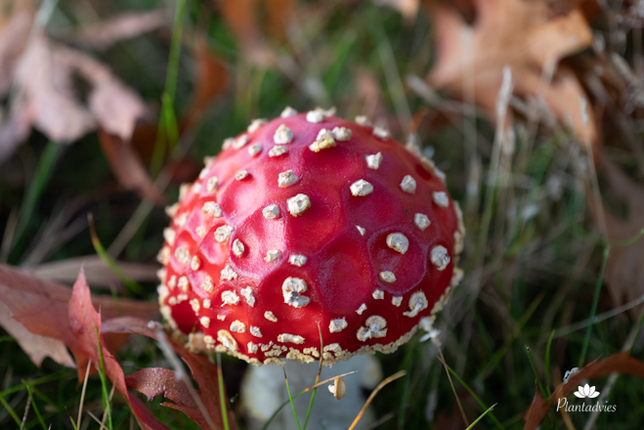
527	36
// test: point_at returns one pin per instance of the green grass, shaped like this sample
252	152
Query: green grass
527	278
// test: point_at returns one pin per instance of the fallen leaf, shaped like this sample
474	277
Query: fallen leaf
523	35
41	307
42	74
203	371
85	325
49	100
159	381
121	27
621	363
624	270
35	346
113	104
14	35
127	167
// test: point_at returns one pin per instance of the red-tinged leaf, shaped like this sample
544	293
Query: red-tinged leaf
35	346
84	322
41	307
203	371
121	27
127	167
621	363
159	381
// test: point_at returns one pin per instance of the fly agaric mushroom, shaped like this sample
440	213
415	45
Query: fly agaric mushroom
310	221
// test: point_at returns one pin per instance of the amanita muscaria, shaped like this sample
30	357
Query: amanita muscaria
305	221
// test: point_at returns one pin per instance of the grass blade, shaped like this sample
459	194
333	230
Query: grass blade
33	404
104	391
593	310
168	128
290	398
37	185
317	379
222	394
473	394
10	410
380	386
471	426
534	370
547	362
131	285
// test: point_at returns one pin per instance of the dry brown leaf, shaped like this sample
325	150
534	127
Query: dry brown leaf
624	269
35	346
621	363
523	35
14	35
121	27
127	167
42	75
48	98
113	104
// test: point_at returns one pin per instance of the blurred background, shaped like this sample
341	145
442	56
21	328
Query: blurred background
534	110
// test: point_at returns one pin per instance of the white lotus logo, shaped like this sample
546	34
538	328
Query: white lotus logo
586	392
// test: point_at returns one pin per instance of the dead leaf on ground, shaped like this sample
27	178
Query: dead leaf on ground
621	363
14	35
203	371
41	74
127	167
124	26
85	326
40	306
35	346
523	35
624	269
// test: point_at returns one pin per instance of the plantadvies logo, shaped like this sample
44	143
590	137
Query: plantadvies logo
585	392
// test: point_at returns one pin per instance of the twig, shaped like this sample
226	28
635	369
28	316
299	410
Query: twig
441	357
82	400
24	416
380	386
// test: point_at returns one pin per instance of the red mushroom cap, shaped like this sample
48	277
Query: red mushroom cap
305	221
